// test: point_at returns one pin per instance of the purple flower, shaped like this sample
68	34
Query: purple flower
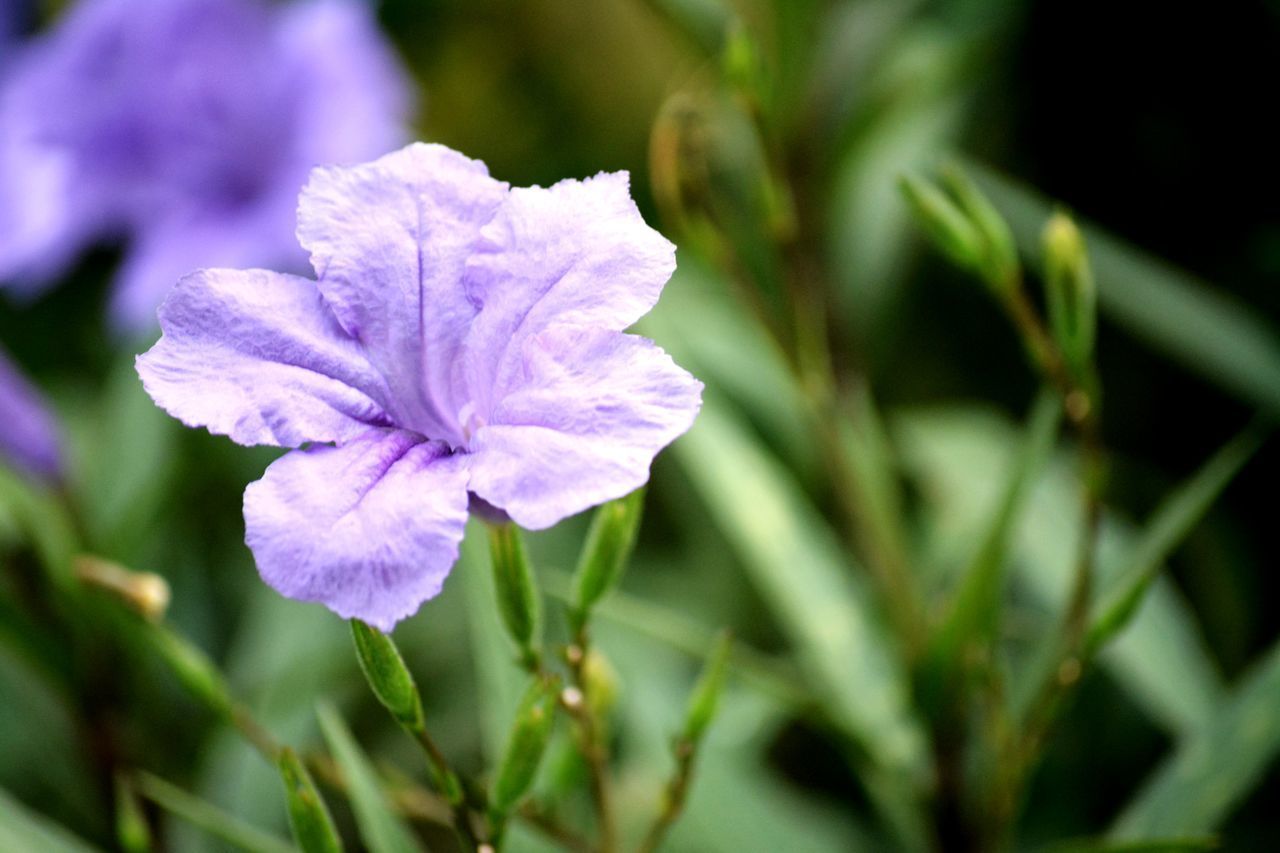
28	433
463	338
184	128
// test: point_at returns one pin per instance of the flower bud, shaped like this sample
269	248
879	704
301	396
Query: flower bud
309	817
516	588
600	684
534	721
950	229
143	592
705	699
1070	291
387	674
1000	265
604	555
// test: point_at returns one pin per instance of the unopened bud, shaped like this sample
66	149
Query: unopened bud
1070	291
945	223
516	589
143	592
534	721
600	683
1000	265
705	699
309	817
387	674
605	553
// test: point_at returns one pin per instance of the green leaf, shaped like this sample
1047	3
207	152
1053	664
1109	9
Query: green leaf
309	817
24	829
1214	766
1162	845
821	604
380	829
977	604
1176	516
958	456
1205	330
208	817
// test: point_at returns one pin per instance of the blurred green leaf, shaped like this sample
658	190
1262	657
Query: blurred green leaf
1163	845
127	445
977	604
309	817
1214	766
380	829
959	456
1176	516
23	829
821	604
1205	330
208	817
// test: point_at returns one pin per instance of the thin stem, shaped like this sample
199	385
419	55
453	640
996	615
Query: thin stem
549	825
448	783
673	799
575	700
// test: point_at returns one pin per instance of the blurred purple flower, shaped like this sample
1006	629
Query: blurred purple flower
28	433
185	128
463	338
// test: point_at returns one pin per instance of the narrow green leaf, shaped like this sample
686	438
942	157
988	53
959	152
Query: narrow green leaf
132	832
309	816
1176	517
1205	330
956	456
387	674
1160	845
380	829
515	587
208	817
819	601
24	829
605	553
198	674
975	608
1214	766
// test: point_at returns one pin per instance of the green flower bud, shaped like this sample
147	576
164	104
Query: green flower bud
948	226
705	699
535	719
144	593
517	591
309	817
1000	265
600	684
387	673
605	553
1070	291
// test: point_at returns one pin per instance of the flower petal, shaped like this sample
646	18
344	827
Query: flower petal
578	253
593	409
389	240
259	357
28	434
369	529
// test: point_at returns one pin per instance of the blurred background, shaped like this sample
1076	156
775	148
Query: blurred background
1148	124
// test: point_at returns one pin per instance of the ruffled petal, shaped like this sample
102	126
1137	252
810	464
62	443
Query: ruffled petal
370	529
389	241
258	356
592	410
578	253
